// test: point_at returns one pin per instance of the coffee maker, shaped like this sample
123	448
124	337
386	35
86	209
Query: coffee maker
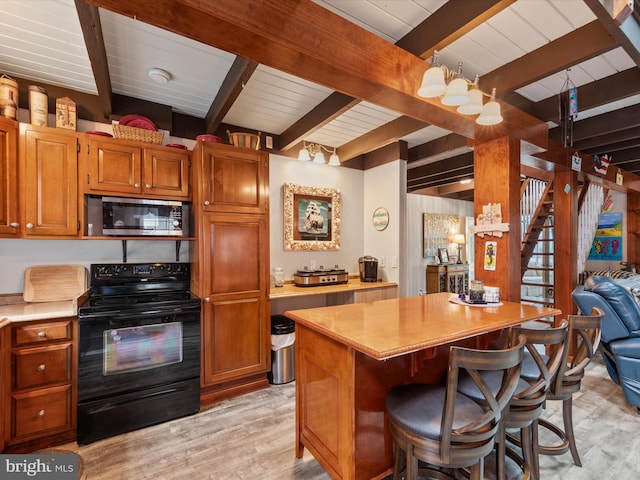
368	268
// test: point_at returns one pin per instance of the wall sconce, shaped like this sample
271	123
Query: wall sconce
315	150
453	90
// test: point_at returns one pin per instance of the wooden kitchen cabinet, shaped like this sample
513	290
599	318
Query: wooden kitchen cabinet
236	312
121	167
452	278
9	222
40	395
230	268
48	174
233	179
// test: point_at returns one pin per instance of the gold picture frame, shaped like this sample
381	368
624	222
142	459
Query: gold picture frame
311	217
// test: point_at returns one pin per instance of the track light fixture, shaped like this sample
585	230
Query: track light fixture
453	90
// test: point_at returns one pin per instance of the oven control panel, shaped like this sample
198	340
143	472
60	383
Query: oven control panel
132	271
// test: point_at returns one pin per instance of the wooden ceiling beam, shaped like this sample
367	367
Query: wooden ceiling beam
577	46
336	54
604	143
606	123
379	137
439	146
235	80
448	23
94	41
330	108
627	34
447	167
606	90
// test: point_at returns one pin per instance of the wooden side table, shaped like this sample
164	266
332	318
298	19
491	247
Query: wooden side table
453	278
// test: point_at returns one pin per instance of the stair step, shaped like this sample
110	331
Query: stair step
535	284
537	300
538	269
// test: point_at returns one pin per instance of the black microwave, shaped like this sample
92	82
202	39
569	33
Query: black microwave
143	217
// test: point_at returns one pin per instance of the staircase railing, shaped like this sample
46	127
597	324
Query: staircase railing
590	206
532	191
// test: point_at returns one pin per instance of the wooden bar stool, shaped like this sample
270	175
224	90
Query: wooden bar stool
443	428
584	336
542	358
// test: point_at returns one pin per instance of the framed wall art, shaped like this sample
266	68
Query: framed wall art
311	217
436	230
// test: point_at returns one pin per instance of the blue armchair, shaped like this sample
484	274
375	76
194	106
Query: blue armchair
620	331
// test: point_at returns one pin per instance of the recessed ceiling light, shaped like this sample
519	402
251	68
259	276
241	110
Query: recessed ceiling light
159	75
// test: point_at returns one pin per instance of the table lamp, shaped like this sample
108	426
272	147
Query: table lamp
459	239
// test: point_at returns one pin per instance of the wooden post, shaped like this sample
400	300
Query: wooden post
497	180
565	240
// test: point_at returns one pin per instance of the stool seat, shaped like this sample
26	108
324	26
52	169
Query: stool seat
444	429
417	408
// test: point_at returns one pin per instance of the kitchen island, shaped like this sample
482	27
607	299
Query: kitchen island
348	357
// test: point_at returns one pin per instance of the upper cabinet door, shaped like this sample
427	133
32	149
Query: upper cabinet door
233	179
48	181
165	172
113	168
9	223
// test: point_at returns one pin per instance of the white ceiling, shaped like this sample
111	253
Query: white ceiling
41	40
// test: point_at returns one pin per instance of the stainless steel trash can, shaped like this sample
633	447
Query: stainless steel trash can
282	350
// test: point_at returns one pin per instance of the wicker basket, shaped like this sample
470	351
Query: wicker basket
125	132
247	140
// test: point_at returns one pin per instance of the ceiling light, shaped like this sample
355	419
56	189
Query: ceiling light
490	114
315	150
452	88
158	75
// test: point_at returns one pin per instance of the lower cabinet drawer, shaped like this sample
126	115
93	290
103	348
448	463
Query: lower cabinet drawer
42	411
41	366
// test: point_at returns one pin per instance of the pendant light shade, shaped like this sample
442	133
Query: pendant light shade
334	159
432	83
303	155
457	90
474	105
319	158
456	93
491	114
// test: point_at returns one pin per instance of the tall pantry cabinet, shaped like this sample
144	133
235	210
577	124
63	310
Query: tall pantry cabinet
230	269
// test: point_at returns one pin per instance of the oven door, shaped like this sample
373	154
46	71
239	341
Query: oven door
139	349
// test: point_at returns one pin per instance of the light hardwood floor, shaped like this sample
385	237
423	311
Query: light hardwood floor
252	438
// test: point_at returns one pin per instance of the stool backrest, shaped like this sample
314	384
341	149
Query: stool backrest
485	427
584	339
553	343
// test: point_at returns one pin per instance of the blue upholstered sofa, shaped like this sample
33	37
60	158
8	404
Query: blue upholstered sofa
620	331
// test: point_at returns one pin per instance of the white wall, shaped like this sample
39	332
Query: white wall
350	184
17	255
415	273
384	186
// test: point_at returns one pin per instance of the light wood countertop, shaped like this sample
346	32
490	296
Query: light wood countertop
22	312
389	328
291	290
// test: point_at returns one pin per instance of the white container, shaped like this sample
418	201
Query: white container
278	275
492	294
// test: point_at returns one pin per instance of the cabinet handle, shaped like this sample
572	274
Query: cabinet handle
207	299
41	367
206	202
137	185
42	334
14	224
41	413
29	225
147	185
